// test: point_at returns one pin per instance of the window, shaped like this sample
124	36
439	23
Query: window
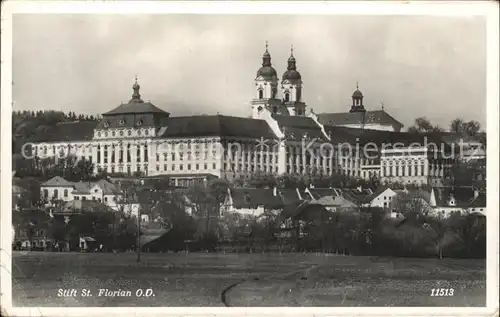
287	96
205	166
56	193
45	193
84	198
261	94
214	166
105	154
157	168
180	167
164	167
77	197
197	166
122	122
98	153
106	199
173	167
65	193
93	198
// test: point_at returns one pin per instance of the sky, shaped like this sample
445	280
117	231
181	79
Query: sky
205	64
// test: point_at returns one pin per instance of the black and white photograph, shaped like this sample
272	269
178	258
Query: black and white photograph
213	156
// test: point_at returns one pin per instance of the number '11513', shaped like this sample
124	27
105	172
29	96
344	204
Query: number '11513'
442	292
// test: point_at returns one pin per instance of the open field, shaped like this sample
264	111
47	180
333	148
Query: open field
198	279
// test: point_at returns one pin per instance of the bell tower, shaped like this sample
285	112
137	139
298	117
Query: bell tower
266	87
291	86
357	101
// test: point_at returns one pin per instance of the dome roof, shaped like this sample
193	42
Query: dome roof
357	94
291	74
267	72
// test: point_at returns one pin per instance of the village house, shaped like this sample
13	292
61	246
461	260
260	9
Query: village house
448	200
59	189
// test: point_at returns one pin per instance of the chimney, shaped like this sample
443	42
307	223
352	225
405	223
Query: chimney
275	191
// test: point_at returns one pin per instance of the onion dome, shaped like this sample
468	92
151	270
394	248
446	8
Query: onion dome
136	96
267	70
291	72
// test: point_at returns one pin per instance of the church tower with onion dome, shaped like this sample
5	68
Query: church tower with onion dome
266	87
291	86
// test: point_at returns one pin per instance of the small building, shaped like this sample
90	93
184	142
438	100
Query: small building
447	200
382	197
251	201
59	189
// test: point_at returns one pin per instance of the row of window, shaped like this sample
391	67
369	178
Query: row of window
121	133
399	170
189	167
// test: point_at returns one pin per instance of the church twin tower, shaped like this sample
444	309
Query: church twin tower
288	102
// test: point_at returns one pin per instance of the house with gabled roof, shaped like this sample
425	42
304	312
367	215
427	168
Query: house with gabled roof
252	201
59	189
448	200
381	197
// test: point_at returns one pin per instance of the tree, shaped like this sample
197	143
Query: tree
457	126
472	128
423	125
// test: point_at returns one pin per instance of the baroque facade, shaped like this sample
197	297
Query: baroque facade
282	136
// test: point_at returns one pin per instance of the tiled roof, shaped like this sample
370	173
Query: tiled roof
364	136
135	120
297	127
69	131
254	197
216	125
463	195
57	181
289	196
82	188
377	192
292	210
356	196
135	107
317	193
337	201
368	117
416	193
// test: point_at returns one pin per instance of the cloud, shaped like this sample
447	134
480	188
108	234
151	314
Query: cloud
191	64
